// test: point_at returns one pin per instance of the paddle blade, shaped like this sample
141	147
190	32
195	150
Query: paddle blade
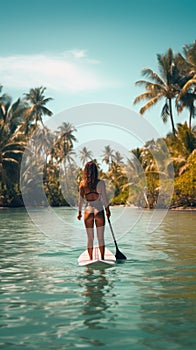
119	255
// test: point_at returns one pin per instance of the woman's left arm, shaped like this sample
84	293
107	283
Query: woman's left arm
80	201
105	198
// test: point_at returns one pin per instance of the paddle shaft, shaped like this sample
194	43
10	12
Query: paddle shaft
112	233
119	255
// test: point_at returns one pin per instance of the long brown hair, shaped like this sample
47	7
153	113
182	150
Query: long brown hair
90	175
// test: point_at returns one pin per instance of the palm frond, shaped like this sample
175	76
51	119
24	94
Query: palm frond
190	84
141	83
46	111
10	160
46	100
8	151
152	75
14	145
145	96
151	86
151	103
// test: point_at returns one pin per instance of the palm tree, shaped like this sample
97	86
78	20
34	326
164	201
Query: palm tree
11	150
85	155
5	100
186	141
11	113
37	108
187	95
10	156
165	85
186	100
12	145
119	181
181	147
190	54
41	143
118	158
64	141
70	158
108	155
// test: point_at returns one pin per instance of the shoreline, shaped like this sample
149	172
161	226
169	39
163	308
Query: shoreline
183	209
128	206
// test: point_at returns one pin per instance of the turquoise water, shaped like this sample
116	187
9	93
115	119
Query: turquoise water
49	302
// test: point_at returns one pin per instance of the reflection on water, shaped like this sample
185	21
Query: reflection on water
168	308
95	292
48	302
96	289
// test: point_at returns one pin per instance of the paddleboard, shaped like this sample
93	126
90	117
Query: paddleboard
109	258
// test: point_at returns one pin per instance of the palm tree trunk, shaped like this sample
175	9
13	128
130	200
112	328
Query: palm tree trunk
190	118
171	117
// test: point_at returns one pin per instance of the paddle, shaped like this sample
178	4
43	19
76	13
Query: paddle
119	255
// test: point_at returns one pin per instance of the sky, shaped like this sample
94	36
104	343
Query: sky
90	51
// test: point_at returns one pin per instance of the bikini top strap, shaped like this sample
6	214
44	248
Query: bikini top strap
86	194
90	192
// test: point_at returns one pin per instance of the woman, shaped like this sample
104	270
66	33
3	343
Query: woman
94	192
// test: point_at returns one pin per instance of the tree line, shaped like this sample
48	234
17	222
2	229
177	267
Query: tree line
130	181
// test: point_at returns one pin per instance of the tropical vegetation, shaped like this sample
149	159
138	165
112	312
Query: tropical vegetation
144	179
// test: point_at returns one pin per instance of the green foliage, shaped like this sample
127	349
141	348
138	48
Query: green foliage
185	185
144	180
121	198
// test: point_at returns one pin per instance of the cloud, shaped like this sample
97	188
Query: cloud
77	53
70	71
81	54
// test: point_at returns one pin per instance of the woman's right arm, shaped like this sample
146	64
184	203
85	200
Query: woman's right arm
105	199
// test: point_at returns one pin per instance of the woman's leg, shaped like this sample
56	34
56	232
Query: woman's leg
89	224
100	225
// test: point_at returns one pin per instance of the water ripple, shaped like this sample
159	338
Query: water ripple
48	302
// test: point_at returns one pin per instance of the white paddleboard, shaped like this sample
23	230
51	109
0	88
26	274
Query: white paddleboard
109	258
